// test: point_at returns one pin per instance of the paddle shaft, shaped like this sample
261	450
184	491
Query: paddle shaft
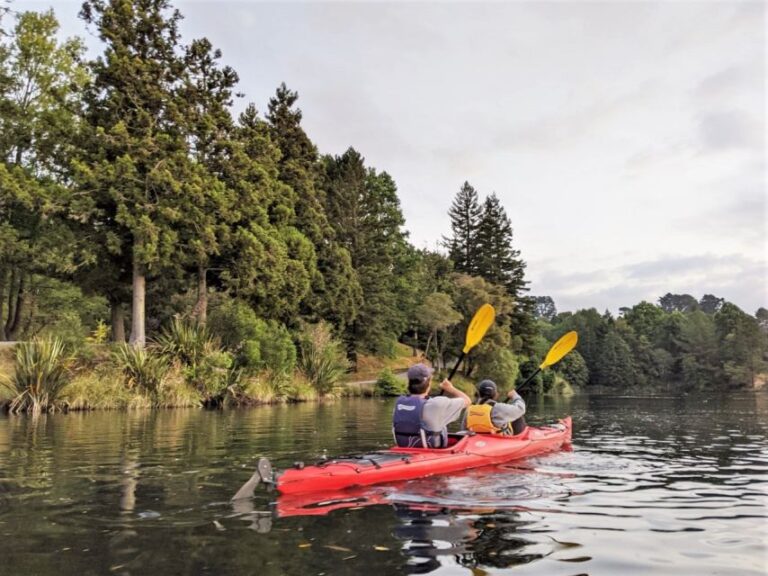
528	380
453	372
456	367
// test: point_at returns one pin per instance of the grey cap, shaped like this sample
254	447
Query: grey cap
486	388
419	372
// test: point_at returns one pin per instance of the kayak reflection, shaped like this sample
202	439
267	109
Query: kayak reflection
432	539
478	518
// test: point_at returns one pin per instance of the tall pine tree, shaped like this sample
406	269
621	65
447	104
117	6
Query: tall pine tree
335	293
136	156
497	260
206	93
364	209
465	213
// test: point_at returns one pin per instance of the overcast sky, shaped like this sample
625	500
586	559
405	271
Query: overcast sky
626	140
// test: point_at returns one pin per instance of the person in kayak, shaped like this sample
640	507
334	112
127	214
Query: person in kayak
420	421
488	416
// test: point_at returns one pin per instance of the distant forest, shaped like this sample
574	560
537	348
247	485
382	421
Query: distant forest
131	193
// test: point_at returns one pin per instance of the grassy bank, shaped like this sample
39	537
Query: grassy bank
107	377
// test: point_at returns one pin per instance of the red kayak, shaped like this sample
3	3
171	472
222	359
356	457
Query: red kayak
464	452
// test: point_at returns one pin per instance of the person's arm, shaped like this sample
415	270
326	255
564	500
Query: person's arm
513	409
452	392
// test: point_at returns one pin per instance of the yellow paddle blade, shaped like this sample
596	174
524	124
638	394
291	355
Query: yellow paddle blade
560	349
479	325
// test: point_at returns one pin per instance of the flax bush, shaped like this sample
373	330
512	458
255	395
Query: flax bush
321	358
142	368
39	377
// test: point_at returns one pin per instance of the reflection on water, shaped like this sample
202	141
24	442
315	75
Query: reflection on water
675	485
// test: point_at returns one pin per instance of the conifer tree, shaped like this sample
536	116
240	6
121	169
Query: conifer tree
136	154
266	260
364	209
497	260
499	263
335	293
465	213
206	93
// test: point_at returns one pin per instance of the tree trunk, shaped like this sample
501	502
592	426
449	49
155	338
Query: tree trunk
429	341
11	301
415	347
22	298
118	321
30	299
3	277
201	306
138	308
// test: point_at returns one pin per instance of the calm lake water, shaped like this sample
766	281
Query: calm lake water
664	485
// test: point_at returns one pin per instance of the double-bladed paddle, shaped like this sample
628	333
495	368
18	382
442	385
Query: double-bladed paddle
559	349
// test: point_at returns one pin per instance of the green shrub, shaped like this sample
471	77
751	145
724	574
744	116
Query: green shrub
574	369
527	368
103	388
299	389
100	334
40	375
321	358
388	384
258	345
212	375
234	322
547	381
278	351
560	387
142	368
500	366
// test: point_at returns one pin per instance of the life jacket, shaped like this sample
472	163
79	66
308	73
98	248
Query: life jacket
408	427
479	419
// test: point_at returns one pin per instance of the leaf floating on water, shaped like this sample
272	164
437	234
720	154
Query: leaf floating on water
577	559
337	548
565	544
381	548
219	526
305	545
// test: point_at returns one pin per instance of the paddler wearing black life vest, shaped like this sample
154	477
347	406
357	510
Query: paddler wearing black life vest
419	421
488	416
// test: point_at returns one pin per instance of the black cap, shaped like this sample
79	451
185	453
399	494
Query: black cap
486	388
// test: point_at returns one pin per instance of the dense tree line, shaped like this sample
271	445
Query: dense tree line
128	178
679	343
131	190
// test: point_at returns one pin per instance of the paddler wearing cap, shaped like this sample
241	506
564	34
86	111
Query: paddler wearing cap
488	416
419	421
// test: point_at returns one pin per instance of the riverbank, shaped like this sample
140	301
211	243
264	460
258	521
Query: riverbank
98	381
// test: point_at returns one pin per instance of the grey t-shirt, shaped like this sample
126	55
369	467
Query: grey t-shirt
440	411
504	413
